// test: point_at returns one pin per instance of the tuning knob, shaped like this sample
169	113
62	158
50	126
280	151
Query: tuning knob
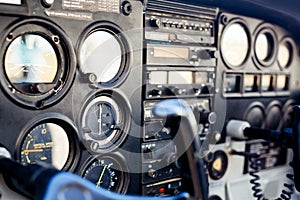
152	173
197	91
206	89
155	22
208	117
155	92
176	90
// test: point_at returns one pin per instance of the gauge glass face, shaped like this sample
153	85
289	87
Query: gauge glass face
273	118
264	47
47	142
102	118
30	58
256	116
104	121
235	44
101	54
106	172
285	54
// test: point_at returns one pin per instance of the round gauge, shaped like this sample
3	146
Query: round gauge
103	54
285	53
30	59
38	63
108	172
104	121
274	116
52	140
255	115
41	144
218	166
262	47
288	116
265	46
235	44
102	117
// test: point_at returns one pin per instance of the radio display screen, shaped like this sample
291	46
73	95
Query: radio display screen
171	52
180	77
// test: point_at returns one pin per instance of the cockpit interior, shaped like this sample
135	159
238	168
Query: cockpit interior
149	99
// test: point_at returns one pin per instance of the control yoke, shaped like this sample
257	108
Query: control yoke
188	130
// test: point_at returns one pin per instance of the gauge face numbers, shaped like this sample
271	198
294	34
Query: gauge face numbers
30	58
47	142
108	173
104	122
235	44
102	54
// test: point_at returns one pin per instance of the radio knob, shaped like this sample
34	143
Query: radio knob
174	24
155	22
180	25
208	117
152	173
197	91
155	92
206	89
213	54
177	91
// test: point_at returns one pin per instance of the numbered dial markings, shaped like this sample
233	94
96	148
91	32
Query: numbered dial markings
46	142
107	173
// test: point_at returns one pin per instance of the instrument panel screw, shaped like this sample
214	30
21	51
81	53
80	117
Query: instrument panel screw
126	8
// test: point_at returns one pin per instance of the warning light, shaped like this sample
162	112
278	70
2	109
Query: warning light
161	190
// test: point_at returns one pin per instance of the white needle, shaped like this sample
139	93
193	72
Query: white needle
100	119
